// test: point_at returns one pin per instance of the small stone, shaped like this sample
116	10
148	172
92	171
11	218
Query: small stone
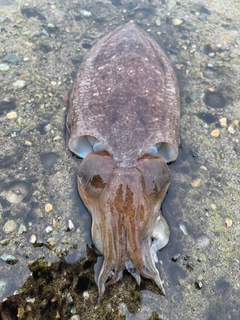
70	225
203	168
198	285
4	67
19	84
196	183
52	241
75	317
228	222
223	122
211	89
12	115
210	65
53	83
86	13
235	122
230	129
183	229
9	258
85	295
158	22
28	143
211	54
33	239
57	138
10	226
48	207
49	229
51	25
54	223
177	22
22	229
175	258
171	4
4	242
11	58
213	206
215	133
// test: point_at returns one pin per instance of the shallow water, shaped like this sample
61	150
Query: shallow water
53	272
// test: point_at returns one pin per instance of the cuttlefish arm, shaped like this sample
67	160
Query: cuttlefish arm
125	207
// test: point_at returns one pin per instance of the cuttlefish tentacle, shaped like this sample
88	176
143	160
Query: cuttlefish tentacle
121	201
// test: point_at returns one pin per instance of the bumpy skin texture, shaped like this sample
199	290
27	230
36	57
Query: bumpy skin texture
125	95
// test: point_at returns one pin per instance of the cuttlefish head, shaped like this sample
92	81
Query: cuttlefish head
127	225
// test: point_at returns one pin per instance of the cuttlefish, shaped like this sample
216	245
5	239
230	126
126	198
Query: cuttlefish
123	120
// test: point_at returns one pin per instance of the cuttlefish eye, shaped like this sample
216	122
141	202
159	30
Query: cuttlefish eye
94	172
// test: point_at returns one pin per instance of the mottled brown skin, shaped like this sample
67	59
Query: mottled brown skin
125	95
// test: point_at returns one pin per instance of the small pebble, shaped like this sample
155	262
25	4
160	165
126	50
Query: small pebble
50	25
52	241
54	223
86	13
213	206
12	115
211	89
158	22
211	54
70	225
22	229
53	83
48	207
183	229
223	122
28	143
230	129
228	222
177	22
57	138
10	226
196	183
75	317
9	258
49	229
235	122
85	295
198	285
4	67
33	239
171	4
9	57
215	133
19	84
